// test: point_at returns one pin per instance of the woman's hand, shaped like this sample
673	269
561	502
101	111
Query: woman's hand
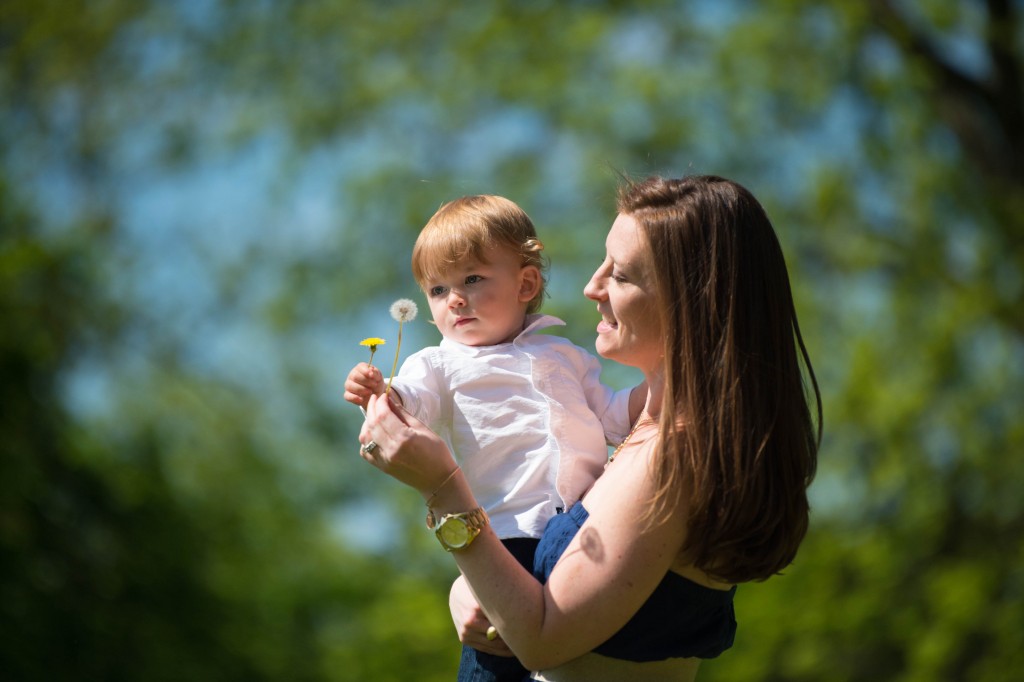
470	622
403	447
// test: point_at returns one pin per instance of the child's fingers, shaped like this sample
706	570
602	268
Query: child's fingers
364	375
357	398
356	387
361	383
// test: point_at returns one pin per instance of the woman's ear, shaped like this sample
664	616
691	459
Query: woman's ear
529	283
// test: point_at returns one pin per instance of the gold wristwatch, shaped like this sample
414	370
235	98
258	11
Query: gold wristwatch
457	531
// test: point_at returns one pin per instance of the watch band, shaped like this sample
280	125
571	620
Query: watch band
457	531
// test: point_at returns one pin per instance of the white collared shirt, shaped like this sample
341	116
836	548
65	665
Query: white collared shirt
528	421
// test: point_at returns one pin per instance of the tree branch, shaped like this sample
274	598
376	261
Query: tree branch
986	115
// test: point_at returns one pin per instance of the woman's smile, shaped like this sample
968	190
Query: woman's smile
623	288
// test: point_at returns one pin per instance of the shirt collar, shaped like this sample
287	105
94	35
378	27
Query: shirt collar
534	323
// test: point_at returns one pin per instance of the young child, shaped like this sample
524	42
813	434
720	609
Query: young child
525	414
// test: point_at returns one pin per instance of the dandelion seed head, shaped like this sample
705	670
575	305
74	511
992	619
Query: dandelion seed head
403	310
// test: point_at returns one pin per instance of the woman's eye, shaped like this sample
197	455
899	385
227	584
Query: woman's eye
473	279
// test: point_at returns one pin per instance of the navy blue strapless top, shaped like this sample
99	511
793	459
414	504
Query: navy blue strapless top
680	619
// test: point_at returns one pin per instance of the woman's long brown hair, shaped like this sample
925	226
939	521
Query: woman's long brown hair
738	444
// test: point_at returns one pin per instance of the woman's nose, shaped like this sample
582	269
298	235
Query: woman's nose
594	290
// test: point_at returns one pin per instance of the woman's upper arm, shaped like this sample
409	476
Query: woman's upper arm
610	568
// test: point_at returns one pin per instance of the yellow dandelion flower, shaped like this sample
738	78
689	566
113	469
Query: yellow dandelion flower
372	342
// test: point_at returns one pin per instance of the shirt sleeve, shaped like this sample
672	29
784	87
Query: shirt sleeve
610	406
419	382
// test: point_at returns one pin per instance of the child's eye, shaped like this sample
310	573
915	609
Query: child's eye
473	279
437	291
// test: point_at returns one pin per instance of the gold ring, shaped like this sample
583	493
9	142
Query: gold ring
492	633
369	448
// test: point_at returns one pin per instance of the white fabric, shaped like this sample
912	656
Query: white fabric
528	421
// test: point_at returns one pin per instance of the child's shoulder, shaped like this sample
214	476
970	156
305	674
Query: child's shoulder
430	356
553	343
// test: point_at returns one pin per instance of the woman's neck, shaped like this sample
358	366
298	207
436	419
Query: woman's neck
655	392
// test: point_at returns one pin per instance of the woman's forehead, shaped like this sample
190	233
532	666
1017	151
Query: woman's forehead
624	238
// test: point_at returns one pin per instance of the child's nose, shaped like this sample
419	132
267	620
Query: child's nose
456	299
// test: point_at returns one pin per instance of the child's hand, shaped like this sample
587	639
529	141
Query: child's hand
363	381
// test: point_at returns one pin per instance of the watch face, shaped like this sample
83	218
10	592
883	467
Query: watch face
453	532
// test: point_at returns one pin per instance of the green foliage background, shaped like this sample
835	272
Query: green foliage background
205	205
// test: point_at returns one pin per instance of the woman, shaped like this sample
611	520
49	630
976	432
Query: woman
636	581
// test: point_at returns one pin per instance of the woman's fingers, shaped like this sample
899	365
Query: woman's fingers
389	424
380	427
391	413
399	449
404	447
478	633
479	640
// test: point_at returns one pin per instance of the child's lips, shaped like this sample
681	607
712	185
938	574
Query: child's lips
463	321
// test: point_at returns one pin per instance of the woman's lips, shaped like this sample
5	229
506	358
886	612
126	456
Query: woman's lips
604	326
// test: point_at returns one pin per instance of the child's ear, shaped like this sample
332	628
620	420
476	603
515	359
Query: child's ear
529	283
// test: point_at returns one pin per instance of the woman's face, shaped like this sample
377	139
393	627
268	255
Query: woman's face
623	287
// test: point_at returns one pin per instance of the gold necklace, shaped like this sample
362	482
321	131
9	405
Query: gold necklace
640	420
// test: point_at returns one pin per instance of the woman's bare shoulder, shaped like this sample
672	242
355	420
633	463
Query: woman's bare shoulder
627	488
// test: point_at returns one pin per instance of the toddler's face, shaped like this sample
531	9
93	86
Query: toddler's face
482	304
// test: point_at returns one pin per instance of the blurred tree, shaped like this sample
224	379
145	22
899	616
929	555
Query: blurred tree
915	222
169	531
171	470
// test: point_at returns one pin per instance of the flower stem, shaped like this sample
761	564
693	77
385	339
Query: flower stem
394	367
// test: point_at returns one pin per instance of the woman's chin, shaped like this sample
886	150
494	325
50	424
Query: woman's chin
605	348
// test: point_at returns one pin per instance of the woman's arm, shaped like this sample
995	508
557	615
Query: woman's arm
471	623
607	572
